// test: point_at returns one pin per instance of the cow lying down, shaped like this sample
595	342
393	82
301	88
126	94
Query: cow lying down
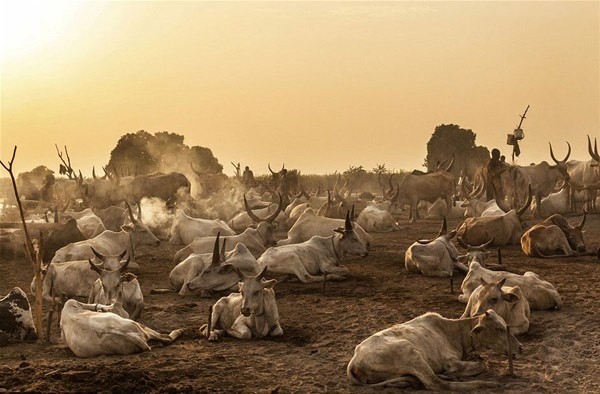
414	353
91	330
16	321
250	313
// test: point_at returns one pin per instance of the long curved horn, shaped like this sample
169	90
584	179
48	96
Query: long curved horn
554	157
94	172
250	213
97	254
500	202
216	257
449	168
133	219
390	183
439	166
272	172
582	223
469	247
396	195
527	203
139	215
223	249
94	267
595	155
443	229
123	267
352	217
463	189
271	218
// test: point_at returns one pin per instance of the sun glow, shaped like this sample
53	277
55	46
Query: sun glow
28	26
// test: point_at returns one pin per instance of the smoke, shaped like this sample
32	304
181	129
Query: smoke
157	216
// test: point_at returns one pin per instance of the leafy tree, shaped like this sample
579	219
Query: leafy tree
379	169
451	139
36	176
143	153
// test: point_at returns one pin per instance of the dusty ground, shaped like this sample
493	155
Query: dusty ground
562	349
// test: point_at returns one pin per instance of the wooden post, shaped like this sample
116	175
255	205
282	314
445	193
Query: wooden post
324	281
28	245
510	359
499	256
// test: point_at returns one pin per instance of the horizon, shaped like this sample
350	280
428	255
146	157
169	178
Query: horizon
317	86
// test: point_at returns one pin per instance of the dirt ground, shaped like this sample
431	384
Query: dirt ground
562	348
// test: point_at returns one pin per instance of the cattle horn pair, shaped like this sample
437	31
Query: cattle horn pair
443	231
99	268
469	247
269	219
449	167
348	222
273	172
566	157
219	256
594	154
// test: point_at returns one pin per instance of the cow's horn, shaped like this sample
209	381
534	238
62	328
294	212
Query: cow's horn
139	216
250	213
390	182
352	217
94	267
595	155
97	254
449	168
582	223
527	203
499	201
94	172
223	249
271	218
462	243
444	228
216	258
566	157
348	222
272	172
126	263
440	164
133	220
395	196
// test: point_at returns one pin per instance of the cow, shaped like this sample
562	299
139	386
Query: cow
436	257
584	175
428	187
16	321
557	202
316	258
257	240
310	224
243	220
110	242
414	353
88	222
223	273
474	252
116	287
205	273
554	237
373	219
163	186
250	313
73	278
185	228
92	330
505	229
335	208
539	293
508	302
438	210
295	214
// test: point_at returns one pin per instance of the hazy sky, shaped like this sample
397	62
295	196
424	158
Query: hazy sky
317	85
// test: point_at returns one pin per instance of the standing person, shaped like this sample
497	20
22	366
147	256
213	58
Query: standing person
495	168
248	177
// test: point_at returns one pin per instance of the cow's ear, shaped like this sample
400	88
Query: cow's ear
225	268
127	228
510	297
269	284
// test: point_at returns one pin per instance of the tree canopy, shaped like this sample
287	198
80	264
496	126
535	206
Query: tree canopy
451	139
144	153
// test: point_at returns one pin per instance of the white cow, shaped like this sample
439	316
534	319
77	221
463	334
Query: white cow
73	278
250	313
91	330
116	287
309	260
274	214
427	346
508	302
88	222
438	210
257	240
309	225
539	293
376	220
185	228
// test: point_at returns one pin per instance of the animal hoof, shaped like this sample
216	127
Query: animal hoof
214	337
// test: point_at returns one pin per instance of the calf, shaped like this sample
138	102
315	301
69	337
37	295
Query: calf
539	293
508	302
416	352
250	313
16	321
91	330
309	260
115	287
377	220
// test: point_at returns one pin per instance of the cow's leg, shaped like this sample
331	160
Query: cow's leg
448	200
240	330
538	204
458	368
467	311
277	331
333	271
137	312
163	338
217	310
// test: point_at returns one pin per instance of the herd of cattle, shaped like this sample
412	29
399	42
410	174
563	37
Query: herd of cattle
90	255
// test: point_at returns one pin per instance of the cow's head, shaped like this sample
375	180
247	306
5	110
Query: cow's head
270	219
221	273
574	235
111	278
474	252
140	233
492	333
493	297
349	240
253	293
